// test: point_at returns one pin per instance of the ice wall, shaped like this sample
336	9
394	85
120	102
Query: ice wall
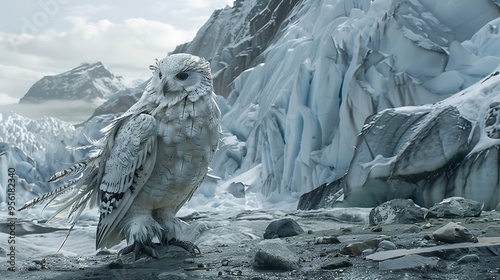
334	64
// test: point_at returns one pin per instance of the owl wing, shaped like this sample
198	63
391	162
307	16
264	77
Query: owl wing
128	167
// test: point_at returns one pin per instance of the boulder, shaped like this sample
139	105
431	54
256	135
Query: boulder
453	233
282	228
401	211
275	255
455	207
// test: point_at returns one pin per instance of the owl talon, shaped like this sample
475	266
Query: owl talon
187	245
138	248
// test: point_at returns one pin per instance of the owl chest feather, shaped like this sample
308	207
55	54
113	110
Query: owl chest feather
187	140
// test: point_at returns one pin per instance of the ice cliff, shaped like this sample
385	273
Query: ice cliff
331	65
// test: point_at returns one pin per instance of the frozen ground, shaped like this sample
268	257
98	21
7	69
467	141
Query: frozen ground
228	241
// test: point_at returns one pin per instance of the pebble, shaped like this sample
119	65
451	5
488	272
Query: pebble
346	229
357	248
468	259
336	263
327	240
376	228
387	245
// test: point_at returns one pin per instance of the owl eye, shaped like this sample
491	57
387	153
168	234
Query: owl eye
182	76
159	74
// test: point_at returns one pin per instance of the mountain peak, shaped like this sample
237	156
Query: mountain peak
85	82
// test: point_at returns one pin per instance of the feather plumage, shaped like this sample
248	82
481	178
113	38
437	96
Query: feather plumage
149	161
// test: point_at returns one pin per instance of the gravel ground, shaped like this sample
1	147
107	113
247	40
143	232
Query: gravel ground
235	261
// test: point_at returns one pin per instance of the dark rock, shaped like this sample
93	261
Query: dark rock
410	262
282	228
401	211
336	263
453	233
236	189
116	264
346	230
376	228
455	207
274	255
323	196
468	259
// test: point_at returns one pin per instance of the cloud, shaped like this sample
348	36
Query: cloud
203	4
6	99
126	47
15	81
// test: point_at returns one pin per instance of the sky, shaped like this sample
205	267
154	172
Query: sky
48	37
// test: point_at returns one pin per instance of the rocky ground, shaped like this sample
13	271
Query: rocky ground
385	248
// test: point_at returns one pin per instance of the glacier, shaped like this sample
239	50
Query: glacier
339	62
297	81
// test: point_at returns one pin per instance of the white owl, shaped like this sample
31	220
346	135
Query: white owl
149	162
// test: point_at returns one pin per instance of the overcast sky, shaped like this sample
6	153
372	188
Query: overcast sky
48	37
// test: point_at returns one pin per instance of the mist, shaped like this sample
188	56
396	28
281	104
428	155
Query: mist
73	112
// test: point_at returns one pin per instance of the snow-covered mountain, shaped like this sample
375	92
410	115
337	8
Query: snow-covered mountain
85	82
301	78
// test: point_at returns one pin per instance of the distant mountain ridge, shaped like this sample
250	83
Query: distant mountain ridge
85	82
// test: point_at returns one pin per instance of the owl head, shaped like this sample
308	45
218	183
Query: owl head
178	76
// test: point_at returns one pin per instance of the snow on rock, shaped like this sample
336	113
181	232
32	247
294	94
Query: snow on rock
86	82
455	207
400	211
